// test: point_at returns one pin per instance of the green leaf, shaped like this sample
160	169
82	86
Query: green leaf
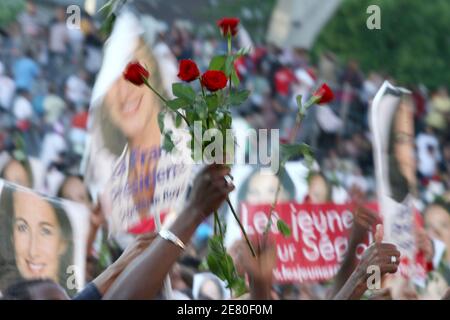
217	62
221	264
229	65
161	116
200	110
190	116
178	120
183	91
214	244
235	78
239	287
299	103
290	151
283	228
227	120
243	52
177	103
213	263
237	98
168	144
212	101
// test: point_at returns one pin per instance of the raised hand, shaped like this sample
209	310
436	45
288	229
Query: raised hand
260	268
210	190
384	255
364	218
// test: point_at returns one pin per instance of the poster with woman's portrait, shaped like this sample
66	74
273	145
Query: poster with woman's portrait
125	161
41	238
392	125
207	286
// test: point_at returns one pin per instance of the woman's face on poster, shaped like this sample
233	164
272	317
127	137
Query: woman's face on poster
404	142
38	242
262	189
318	189
131	107
75	190
16	173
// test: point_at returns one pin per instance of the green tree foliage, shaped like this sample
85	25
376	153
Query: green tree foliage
9	10
413	44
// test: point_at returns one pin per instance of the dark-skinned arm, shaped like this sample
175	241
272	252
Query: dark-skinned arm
364	220
104	281
144	277
259	269
378	254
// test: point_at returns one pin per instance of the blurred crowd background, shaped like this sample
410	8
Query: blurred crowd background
47	72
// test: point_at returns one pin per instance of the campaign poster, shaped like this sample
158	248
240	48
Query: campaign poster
41	238
125	162
392	127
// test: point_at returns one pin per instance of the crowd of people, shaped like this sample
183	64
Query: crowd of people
47	72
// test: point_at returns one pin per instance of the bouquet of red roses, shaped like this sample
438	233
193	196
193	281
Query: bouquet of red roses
210	109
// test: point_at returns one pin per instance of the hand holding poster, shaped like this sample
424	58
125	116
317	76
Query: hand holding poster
392	125
41	238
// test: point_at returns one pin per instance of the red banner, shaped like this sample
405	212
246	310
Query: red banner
318	241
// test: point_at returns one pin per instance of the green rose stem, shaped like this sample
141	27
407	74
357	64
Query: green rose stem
229	53
228	199
298	122
242	227
163	99
203	89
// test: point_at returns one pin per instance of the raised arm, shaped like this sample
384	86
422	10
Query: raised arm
379	255
258	269
364	220
98	287
143	278
107	277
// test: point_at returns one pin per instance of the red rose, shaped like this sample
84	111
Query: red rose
324	94
188	70
135	73
214	80
228	26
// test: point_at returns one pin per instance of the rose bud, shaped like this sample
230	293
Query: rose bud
324	94
135	73
228	26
